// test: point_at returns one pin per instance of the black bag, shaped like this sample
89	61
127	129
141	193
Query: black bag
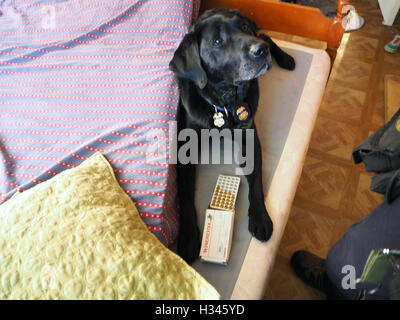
381	154
387	183
381	151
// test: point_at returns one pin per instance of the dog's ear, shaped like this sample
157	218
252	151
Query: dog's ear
186	62
252	25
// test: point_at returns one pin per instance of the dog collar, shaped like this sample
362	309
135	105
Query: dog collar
239	112
223	109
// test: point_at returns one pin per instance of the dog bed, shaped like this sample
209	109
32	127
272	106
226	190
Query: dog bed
288	107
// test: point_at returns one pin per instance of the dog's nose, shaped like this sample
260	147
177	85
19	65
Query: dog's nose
258	50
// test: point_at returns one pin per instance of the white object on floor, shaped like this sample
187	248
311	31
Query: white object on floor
389	9
354	21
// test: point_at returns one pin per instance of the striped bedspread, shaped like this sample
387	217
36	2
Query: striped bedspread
80	76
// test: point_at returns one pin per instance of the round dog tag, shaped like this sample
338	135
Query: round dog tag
242	113
218	119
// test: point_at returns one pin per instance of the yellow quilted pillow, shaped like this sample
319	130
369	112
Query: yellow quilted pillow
79	236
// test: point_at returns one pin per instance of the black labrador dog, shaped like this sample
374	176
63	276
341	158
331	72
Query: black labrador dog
217	65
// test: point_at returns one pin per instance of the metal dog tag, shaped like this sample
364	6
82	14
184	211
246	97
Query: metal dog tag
242	113
218	119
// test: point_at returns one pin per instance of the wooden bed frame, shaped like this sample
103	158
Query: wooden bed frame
289	18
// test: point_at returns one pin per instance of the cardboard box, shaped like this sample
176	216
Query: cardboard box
218	225
217	236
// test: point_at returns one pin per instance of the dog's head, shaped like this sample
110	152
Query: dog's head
221	45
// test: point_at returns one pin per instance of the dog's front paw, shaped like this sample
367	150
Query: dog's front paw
189	243
260	224
287	62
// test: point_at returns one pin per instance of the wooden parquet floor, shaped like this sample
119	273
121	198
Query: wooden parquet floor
333	192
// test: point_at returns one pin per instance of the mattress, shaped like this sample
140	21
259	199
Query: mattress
288	107
80	76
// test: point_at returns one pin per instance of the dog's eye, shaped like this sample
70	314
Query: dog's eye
246	27
217	42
